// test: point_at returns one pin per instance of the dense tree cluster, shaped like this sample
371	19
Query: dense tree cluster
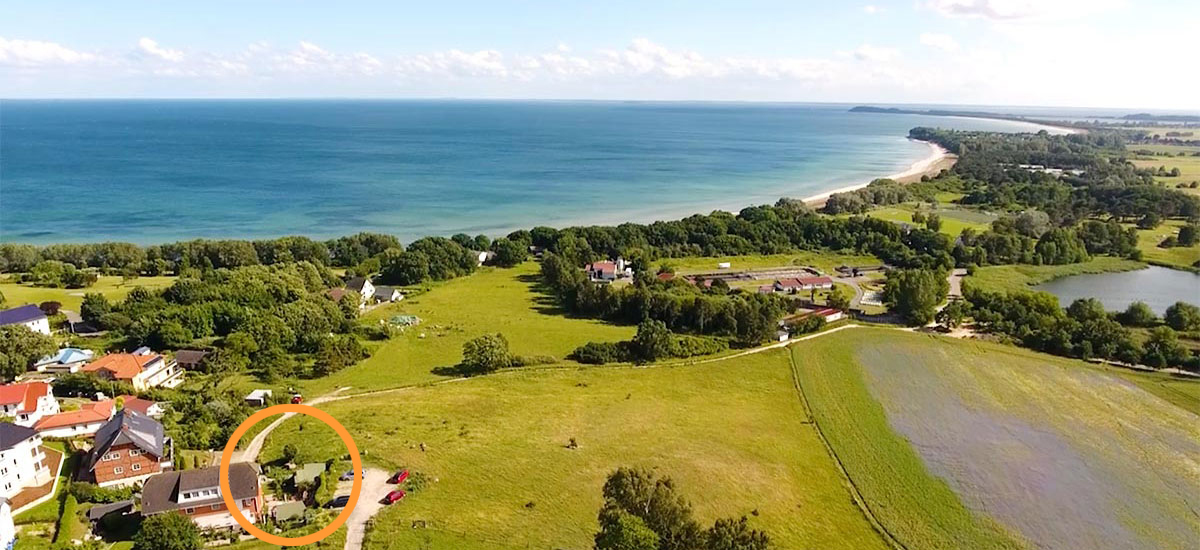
915	293
1084	329
652	342
256	316
681	306
20	348
644	512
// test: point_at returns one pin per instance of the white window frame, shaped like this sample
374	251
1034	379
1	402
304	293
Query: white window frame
118	470
136	467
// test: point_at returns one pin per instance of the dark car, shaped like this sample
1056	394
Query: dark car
398	477
338	502
393	496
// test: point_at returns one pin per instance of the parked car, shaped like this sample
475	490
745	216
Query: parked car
297	399
393	496
398	477
349	475
338	502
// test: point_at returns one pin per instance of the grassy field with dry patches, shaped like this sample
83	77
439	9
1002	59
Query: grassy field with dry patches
1059	453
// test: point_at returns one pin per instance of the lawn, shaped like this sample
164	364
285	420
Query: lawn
1188	165
1148	239
733	435
112	287
954	218
940	435
824	261
1008	278
507	301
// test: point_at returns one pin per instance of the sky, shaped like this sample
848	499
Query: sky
1077	53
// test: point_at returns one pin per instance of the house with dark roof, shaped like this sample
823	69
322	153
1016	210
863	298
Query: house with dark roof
22	461
28	402
129	448
190	359
384	294
197	495
362	286
29	316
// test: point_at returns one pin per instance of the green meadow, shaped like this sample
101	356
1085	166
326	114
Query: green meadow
112	287
733	434
1007	278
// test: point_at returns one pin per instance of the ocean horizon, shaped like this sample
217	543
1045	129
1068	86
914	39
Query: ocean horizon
151	171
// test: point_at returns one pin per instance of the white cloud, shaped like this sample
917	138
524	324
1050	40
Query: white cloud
1021	9
867	52
150	47
940	41
32	53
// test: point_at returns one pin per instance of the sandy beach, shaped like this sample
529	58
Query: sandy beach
939	159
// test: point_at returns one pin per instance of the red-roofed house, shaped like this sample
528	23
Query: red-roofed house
85	421
27	403
142	406
607	272
141	370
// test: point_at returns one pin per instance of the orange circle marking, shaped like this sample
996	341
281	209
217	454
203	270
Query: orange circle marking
236	511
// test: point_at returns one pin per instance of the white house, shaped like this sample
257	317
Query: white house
363	287
29	316
28	402
66	361
22	462
142	369
8	531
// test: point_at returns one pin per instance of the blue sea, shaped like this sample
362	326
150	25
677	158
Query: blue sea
162	170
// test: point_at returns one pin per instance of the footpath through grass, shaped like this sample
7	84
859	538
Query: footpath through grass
733	435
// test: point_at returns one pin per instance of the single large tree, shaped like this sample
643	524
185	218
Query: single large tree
168	531
20	348
1183	316
486	353
620	530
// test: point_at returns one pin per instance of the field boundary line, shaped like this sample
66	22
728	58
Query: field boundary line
859	500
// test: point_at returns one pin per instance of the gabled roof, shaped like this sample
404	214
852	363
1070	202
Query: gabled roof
12	434
137	404
190	355
96	411
123	366
26	395
66	356
812	281
125	427
161	492
23	314
603	267
356	284
384	291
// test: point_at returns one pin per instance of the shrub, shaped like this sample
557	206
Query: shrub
88	492
599	353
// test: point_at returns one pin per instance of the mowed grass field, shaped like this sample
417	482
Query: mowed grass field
824	261
1148	240
507	301
111	287
733	435
1008	278
954	218
1057	453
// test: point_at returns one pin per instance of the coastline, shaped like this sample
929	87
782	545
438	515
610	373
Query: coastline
938	160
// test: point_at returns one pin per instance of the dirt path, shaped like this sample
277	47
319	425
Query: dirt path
370	502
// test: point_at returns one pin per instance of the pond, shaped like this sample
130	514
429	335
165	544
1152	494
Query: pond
1159	287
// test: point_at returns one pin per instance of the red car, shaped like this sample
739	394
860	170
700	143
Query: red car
297	399
393	496
398	477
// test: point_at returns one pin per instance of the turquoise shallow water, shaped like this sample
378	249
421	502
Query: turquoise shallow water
155	171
